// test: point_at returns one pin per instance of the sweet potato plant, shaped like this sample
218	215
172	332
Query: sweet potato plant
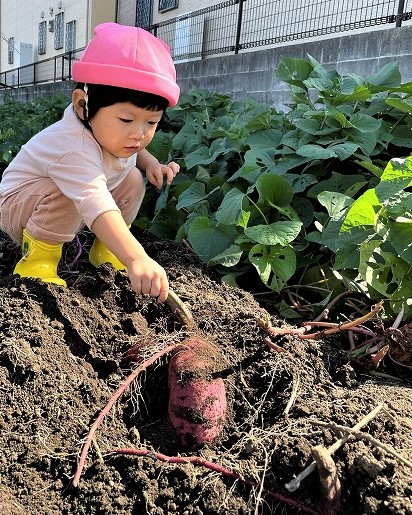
297	205
263	194
19	121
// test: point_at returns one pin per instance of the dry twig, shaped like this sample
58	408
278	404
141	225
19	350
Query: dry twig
293	395
364	436
294	484
329	481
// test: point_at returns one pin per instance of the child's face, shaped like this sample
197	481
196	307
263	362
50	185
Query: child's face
124	129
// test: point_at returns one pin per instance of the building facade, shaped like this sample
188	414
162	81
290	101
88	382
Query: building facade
229	46
41	29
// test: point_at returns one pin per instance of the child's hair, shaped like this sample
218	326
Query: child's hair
99	96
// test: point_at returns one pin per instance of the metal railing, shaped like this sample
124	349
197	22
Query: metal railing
233	26
54	69
236	25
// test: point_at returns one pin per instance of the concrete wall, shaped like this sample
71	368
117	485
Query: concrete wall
252	74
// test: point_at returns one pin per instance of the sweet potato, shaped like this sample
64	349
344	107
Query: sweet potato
197	395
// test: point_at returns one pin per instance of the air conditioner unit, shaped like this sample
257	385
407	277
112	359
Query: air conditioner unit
51	25
189	37
23	57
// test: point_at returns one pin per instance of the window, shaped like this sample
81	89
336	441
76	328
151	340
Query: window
168	5
59	31
42	38
70	36
10	50
144	10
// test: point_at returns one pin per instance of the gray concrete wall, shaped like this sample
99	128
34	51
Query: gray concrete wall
253	74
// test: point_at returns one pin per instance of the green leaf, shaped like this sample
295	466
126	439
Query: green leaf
396	176
300	182
207	240
294	71
404	105
388	76
335	203
384	271
231	211
312	126
376	170
275	265
362	212
364	123
230	257
342	151
400	236
367	141
195	193
345	184
274	190
269	138
260	158
360	94
204	155
402	136
278	233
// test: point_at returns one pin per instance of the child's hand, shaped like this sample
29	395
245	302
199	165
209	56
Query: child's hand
147	276
156	171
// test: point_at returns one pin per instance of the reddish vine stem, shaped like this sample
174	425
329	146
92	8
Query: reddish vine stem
119	392
301	332
197	460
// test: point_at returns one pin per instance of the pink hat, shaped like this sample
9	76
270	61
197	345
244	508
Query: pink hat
128	57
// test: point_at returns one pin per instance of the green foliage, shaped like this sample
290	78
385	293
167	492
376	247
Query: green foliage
376	229
313	199
22	120
273	193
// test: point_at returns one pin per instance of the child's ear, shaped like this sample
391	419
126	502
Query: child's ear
79	103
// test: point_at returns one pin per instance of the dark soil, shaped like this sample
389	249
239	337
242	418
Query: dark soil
62	358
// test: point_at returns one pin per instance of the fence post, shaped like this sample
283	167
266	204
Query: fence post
239	25
69	66
399	15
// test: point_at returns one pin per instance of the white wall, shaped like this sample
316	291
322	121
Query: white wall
20	19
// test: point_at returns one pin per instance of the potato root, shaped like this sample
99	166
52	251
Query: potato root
197	396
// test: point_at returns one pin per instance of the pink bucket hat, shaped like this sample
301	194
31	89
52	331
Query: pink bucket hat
128	57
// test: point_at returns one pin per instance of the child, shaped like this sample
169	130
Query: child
85	169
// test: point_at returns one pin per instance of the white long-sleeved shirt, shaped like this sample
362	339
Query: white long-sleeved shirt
67	153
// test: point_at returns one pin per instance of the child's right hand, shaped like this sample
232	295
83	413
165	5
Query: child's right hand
148	277
145	274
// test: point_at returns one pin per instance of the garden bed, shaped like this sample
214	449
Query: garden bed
62	358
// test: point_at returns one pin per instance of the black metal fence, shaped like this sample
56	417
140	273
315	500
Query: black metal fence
236	25
233	26
55	69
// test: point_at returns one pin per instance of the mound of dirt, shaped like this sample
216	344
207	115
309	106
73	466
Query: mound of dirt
62	358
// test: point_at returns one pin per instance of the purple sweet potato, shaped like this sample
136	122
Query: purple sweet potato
197	396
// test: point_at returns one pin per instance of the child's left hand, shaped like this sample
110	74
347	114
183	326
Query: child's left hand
156	171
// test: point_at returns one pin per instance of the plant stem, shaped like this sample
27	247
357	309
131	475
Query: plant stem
119	392
197	460
179	309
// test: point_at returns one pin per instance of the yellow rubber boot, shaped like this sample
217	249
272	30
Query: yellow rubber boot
40	260
100	254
